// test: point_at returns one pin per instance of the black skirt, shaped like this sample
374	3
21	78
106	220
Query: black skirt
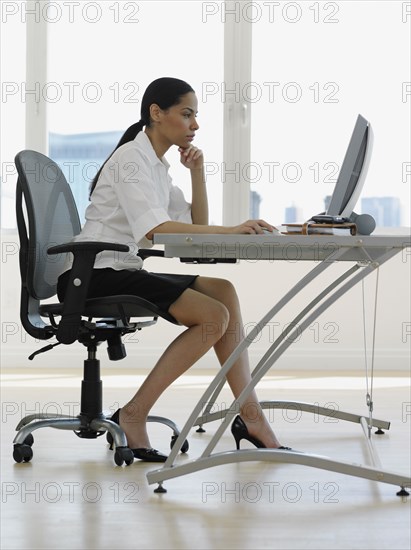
161	289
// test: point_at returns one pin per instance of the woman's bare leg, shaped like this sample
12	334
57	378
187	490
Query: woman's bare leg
191	309
212	314
239	375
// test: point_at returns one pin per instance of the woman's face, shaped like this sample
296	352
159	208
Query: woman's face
178	124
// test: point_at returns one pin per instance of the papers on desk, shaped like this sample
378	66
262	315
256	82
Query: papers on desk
311	228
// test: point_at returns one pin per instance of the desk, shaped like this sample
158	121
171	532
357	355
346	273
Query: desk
363	254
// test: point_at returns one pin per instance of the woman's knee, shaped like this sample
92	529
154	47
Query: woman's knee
215	320
226	287
194	308
222	290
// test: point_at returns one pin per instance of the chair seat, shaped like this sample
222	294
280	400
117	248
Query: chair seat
114	307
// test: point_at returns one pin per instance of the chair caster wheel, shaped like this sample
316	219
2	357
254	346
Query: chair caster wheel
22	453
184	447
123	454
29	440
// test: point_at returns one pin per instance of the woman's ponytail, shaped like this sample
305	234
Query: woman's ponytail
130	133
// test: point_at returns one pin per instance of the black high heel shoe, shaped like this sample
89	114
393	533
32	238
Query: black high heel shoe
148	455
240	431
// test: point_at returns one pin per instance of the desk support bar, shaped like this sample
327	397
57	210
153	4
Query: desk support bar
283	457
301	406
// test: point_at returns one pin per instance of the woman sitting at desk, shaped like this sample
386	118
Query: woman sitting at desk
132	198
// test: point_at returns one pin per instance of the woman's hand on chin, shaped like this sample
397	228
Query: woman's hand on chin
191	157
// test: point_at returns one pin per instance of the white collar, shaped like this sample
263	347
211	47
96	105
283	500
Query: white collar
143	140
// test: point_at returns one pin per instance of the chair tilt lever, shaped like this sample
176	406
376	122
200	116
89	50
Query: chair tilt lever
43	350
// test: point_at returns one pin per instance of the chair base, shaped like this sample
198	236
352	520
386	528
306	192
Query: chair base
84	428
91	423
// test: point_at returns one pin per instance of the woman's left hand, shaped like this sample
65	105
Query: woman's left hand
191	157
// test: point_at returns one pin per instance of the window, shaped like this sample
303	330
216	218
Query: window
102	57
315	67
295	92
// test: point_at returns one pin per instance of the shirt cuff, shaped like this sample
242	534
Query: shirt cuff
148	221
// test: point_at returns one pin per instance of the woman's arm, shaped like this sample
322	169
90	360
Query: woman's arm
249	227
199	200
193	159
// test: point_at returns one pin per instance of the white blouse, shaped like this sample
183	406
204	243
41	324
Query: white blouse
134	194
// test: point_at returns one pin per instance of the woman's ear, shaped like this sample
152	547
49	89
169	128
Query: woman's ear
155	112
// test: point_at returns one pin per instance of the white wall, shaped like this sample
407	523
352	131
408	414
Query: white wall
335	341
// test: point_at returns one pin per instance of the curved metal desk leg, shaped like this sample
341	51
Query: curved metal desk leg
244	344
203	419
276	350
279	346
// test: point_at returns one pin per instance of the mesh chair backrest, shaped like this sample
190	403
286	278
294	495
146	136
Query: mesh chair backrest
52	219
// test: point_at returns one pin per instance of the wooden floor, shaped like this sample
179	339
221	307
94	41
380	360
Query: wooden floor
72	496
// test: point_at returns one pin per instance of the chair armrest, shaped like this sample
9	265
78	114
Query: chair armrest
85	253
87	246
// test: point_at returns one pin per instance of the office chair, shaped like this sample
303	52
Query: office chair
47	220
